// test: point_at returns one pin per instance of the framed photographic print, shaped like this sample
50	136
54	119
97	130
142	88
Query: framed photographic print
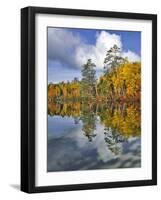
88	99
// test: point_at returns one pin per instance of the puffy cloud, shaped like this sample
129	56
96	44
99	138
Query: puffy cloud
131	56
97	52
70	50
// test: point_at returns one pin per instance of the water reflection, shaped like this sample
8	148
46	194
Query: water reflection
85	135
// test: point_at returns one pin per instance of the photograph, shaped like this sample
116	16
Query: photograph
89	99
93	99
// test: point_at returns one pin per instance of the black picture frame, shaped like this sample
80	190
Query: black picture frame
28	98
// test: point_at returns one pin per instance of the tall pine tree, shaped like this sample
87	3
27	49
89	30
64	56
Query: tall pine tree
113	58
88	83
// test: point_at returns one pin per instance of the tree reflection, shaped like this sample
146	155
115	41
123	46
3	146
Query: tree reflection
125	118
88	118
113	140
76	120
120	120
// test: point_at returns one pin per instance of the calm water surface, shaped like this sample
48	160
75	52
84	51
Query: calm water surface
85	136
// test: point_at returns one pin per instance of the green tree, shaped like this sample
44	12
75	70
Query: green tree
89	82
113	58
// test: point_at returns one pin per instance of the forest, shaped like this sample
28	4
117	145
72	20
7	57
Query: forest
120	81
114	97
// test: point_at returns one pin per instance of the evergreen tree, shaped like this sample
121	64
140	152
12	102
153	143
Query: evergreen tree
113	58
88	83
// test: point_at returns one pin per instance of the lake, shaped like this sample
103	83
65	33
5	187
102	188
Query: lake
86	136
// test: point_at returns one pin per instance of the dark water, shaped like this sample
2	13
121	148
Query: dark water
83	136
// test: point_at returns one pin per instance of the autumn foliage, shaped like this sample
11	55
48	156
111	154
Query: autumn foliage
122	83
124	118
64	90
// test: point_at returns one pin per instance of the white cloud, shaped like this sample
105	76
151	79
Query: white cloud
97	52
72	51
131	56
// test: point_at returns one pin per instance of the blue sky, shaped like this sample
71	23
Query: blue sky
69	49
130	39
